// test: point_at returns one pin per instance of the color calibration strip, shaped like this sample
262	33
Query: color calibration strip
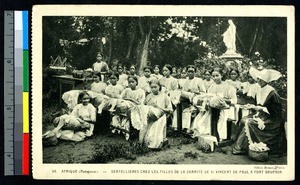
26	138
16	84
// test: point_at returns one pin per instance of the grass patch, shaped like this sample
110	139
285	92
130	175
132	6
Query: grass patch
190	154
108	152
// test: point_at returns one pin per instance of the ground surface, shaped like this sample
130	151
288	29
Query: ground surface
105	147
108	148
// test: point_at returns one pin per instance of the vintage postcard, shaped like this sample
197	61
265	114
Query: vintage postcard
163	92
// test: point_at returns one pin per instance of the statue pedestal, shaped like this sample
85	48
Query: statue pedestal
231	56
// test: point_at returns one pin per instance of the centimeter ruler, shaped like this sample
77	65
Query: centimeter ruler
16	115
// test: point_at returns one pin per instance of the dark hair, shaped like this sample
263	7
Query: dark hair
99	52
115	60
191	66
120	65
114	74
156	66
208	70
237	71
157	82
132	66
97	75
169	67
147	67
133	77
81	95
219	70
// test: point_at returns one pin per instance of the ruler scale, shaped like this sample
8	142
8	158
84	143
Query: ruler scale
16	115
9	89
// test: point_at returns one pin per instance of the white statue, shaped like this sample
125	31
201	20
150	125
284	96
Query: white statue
229	38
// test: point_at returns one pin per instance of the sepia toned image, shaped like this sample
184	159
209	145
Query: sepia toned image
173	92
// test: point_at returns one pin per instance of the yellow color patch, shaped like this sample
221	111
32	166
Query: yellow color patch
25	112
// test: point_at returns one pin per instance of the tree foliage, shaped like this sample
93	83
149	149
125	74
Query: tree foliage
158	40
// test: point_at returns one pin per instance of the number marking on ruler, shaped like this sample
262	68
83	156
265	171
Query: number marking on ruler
9	107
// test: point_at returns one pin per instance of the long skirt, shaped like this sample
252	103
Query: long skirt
270	135
155	133
71	129
202	123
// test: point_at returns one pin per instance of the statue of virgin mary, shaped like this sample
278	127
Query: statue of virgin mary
229	38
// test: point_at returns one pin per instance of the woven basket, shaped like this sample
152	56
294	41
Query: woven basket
258	155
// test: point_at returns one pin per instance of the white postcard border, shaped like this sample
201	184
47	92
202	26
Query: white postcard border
149	171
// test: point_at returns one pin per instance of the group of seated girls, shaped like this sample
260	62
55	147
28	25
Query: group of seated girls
146	103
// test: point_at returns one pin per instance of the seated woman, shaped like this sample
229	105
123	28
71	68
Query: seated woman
122	77
207	79
79	124
156	73
250	87
132	71
98	86
144	81
169	83
174	73
183	78
234	79
112	91
246	95
131	96
265	125
71	98
224	95
194	86
153	134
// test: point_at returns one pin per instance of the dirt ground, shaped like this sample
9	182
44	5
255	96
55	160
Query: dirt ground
113	148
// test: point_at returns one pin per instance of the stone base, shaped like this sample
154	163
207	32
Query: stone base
231	56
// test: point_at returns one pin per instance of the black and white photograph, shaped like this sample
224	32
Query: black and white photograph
163	92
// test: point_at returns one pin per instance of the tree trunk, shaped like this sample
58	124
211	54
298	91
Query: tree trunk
109	49
259	40
255	37
144	54
131	42
143	46
110	42
241	42
100	43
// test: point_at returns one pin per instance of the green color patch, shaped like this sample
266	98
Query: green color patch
25	71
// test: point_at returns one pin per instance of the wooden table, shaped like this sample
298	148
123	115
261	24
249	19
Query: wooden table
68	82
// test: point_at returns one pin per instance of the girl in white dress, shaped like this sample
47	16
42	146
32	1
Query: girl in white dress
169	83
144	81
155	131
156	73
132	71
196	87
98	86
114	90
207	79
183	78
224	94
122	77
100	66
132	96
234	79
79	124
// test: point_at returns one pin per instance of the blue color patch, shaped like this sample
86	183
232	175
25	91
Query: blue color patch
25	29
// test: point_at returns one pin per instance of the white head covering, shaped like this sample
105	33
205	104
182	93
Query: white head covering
267	75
